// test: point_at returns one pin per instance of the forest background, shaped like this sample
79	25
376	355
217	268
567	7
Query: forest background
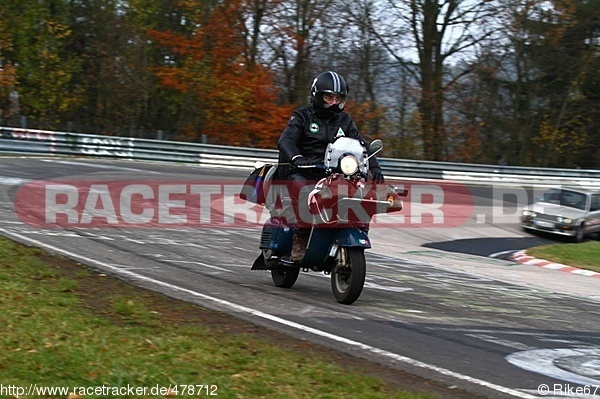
513	82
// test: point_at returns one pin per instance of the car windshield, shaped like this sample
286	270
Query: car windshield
568	198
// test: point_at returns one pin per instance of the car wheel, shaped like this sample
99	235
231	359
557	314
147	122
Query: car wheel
580	233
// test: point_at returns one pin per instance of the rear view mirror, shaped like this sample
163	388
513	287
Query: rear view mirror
375	146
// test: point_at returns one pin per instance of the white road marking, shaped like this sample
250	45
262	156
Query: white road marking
498	254
582	362
13	181
503	342
279	320
198	263
97	165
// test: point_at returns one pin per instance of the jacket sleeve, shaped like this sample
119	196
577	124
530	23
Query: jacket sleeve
288	141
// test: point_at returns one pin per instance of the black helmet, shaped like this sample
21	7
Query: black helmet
328	82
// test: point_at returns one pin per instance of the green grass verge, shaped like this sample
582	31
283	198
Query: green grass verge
585	255
65	325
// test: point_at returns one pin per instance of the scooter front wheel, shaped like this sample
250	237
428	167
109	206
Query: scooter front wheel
347	281
285	277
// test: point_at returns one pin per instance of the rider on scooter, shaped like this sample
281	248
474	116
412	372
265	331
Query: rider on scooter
304	142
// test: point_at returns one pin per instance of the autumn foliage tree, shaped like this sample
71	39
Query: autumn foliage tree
513	82
8	75
36	66
230	99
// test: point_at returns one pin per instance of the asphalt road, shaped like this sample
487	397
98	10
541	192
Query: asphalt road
435	303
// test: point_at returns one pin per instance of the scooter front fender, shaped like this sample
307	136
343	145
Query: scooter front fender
350	237
322	241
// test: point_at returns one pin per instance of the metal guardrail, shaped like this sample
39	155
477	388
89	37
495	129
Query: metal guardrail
44	142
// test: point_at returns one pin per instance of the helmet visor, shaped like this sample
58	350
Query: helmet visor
330	98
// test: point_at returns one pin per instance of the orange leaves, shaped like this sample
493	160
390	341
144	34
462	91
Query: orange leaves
233	101
562	141
179	45
243	111
367	116
8	74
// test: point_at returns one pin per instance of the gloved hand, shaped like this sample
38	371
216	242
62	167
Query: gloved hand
301	161
377	175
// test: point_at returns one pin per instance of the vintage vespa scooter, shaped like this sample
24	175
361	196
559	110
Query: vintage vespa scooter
340	208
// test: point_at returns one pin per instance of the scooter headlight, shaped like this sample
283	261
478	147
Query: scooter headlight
349	164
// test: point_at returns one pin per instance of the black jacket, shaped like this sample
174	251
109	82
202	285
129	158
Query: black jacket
308	135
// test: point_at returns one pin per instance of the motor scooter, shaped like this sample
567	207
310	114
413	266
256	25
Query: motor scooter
338	210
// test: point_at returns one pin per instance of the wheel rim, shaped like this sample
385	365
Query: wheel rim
347	281
343	277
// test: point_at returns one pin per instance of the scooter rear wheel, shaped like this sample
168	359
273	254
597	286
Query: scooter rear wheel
347	281
285	277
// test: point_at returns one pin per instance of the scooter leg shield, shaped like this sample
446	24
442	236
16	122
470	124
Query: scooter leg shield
351	237
276	236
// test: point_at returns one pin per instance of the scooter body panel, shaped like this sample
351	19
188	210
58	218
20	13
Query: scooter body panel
276	236
352	237
322	241
318	247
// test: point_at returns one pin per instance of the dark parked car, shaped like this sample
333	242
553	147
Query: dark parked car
569	211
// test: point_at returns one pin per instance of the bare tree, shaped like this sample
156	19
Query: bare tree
294	32
254	15
550	71
425	37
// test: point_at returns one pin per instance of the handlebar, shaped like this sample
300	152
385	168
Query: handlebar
317	166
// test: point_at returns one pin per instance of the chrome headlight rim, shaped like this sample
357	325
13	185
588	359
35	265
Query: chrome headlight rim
349	165
565	220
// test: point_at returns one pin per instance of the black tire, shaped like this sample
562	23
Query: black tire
285	277
579	234
347	282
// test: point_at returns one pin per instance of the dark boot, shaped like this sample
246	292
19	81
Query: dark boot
299	243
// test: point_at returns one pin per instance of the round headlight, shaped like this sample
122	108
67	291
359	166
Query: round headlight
565	220
527	212
349	165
